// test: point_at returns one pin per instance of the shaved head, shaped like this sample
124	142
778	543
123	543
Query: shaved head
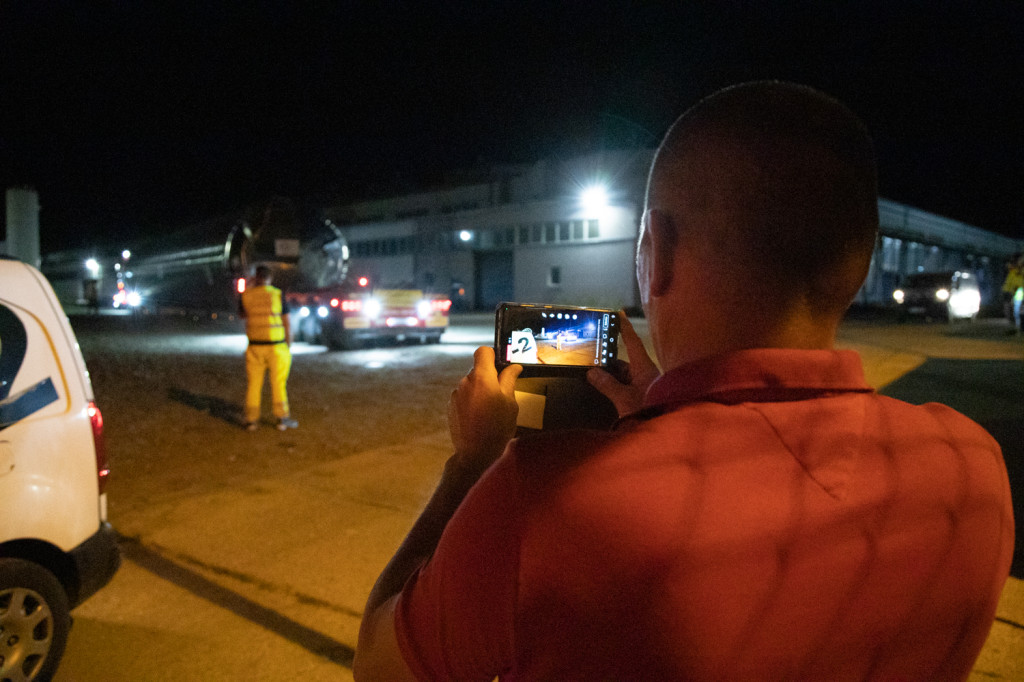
775	185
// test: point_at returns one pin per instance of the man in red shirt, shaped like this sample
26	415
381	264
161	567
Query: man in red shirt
758	512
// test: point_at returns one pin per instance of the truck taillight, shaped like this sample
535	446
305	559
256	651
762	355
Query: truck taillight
351	306
240	285
102	465
442	305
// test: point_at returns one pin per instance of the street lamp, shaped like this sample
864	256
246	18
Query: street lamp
594	199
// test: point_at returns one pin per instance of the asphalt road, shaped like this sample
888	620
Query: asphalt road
249	556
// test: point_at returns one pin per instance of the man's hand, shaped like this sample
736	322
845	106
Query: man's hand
482	412
640	372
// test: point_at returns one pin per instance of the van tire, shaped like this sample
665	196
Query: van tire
35	619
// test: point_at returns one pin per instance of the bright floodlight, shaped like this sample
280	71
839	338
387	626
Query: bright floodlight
594	198
465	235
92	265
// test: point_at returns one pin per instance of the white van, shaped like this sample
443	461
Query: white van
56	546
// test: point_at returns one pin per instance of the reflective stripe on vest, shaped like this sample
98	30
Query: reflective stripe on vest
263	322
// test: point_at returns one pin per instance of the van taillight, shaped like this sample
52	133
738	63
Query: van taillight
102	466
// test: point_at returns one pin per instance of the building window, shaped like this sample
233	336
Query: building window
593	232
536	234
549	233
563	232
577	230
524	234
555	276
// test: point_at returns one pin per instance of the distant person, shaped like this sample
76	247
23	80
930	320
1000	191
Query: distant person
1013	290
270	339
759	512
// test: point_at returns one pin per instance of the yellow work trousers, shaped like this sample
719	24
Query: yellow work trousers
259	358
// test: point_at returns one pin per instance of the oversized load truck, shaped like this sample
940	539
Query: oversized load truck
342	317
194	271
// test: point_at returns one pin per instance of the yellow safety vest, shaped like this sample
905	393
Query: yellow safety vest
263	310
1014	280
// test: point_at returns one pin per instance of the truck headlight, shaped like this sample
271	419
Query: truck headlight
322	311
898	295
942	295
372	308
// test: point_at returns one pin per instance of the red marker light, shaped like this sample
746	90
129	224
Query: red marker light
102	463
363	281
240	285
335	303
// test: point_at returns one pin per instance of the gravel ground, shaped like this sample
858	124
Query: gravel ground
172	404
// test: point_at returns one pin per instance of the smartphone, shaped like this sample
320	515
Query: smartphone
554	340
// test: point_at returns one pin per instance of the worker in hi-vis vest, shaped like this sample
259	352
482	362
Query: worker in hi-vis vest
270	339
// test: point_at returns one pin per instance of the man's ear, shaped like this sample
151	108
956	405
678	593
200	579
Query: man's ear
661	242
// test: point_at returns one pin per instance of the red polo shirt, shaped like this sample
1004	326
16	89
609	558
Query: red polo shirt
766	517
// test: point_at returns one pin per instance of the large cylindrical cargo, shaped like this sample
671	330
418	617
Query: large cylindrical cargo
197	268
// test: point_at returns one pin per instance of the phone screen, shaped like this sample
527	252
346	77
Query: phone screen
555	336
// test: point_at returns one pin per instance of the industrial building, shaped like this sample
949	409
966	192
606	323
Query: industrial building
565	232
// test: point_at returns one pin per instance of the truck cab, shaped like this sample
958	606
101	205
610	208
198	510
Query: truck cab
346	318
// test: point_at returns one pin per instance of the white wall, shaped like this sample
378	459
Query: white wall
23	224
600	274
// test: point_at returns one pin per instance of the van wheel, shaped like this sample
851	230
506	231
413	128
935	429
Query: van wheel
35	621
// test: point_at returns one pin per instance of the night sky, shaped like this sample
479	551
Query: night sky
131	117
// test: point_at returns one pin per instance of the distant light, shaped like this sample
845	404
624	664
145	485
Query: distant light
594	199
942	295
898	295
92	265
126	254
965	303
304	311
363	281
465	235
323	311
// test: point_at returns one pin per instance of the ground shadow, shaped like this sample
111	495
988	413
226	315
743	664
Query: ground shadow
216	407
172	571
991	392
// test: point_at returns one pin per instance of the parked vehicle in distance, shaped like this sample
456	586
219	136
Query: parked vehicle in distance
952	295
56	546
